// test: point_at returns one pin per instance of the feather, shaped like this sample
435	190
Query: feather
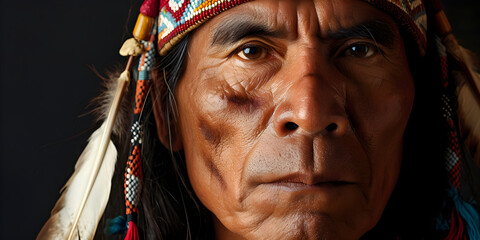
469	114
468	91
84	198
63	214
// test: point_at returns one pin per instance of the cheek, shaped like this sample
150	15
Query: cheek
379	100
380	119
203	141
218	122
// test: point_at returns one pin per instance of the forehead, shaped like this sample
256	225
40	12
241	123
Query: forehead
291	18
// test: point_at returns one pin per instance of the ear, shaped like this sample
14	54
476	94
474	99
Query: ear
162	128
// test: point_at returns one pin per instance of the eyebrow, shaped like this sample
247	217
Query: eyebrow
378	31
235	29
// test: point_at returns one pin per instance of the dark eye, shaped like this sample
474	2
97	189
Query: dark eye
252	52
361	50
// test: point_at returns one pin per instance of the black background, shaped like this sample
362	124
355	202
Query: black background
48	49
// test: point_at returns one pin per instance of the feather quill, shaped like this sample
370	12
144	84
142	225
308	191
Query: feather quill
84	198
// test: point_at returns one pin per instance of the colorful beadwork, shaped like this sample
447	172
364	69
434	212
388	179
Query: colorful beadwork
177	17
133	172
453	153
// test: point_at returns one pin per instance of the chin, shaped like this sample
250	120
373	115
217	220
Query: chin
306	214
307	226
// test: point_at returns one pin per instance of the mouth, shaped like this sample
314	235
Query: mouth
300	186
306	191
298	182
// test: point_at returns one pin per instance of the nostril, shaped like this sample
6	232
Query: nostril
331	127
291	126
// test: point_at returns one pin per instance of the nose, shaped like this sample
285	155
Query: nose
313	104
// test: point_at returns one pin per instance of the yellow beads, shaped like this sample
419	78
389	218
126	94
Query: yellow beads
143	27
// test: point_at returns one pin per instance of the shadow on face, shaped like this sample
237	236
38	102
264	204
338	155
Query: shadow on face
292	124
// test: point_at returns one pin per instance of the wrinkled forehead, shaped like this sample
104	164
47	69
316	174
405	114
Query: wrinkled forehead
322	20
178	17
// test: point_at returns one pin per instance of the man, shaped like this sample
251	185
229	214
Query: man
297	120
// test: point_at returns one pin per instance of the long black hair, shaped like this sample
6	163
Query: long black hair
170	208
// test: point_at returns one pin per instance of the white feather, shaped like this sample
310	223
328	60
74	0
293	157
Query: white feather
63	214
469	108
78	211
468	89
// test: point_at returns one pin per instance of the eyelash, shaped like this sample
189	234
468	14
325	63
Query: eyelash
266	50
371	47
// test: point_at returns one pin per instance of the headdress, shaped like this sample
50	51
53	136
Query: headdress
161	24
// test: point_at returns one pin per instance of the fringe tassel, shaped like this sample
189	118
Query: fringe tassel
468	213
464	222
115	226
132	233
456	227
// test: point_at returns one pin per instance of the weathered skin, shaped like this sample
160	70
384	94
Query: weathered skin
297	134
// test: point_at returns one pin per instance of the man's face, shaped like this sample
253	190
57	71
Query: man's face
292	116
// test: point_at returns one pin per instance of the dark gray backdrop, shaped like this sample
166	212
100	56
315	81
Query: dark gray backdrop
47	50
